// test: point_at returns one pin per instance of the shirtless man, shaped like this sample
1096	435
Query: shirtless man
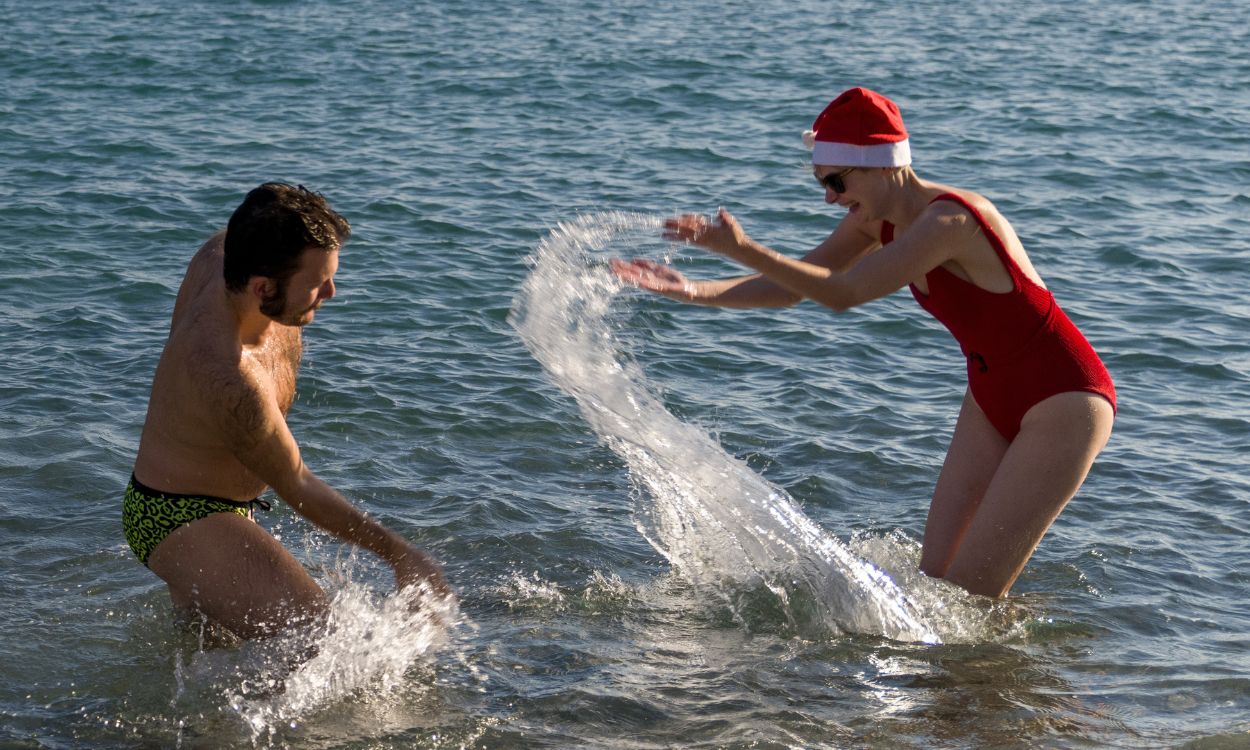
216	434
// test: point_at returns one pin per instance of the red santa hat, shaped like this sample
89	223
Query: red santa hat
860	128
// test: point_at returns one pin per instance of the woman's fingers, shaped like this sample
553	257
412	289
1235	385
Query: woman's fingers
631	271
655	277
686	228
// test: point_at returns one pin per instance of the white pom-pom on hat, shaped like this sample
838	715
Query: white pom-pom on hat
809	139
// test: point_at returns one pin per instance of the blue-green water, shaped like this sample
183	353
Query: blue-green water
464	385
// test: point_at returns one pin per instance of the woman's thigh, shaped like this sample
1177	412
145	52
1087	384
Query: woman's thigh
1039	473
971	462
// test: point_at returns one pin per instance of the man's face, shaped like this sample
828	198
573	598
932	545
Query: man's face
295	301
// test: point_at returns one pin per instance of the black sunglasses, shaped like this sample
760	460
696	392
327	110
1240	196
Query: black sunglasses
834	181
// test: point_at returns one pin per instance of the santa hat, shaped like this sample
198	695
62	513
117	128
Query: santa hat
860	128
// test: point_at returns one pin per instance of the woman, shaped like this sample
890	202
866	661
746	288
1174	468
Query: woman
1039	404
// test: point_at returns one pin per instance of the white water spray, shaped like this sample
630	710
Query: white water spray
371	650
717	522
369	644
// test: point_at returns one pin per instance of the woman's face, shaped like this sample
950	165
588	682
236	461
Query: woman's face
839	184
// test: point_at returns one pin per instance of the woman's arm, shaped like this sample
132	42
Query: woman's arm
740	292
842	281
841	249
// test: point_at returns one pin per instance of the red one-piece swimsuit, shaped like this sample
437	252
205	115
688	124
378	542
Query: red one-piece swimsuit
1020	346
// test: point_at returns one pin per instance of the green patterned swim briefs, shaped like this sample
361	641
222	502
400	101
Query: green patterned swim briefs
148	515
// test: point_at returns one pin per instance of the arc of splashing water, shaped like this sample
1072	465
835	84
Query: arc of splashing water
713	517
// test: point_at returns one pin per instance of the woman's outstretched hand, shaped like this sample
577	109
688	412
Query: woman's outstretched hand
654	277
723	235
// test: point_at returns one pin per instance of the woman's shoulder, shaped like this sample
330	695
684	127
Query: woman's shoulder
946	196
951	205
977	232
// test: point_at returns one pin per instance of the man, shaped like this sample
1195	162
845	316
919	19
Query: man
216	434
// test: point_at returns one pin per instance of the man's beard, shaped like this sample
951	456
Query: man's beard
275	308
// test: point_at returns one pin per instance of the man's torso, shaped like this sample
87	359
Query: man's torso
186	445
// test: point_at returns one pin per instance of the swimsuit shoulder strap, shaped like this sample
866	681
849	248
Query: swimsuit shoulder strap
996	242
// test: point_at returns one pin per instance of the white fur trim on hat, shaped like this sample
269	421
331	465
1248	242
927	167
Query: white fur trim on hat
831	154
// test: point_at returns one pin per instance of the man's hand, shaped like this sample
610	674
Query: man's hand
413	568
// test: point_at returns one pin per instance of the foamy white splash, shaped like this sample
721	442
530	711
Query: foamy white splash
718	523
368	643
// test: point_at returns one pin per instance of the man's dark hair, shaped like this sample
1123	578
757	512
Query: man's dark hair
273	226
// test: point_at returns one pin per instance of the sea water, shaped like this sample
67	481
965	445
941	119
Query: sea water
718	523
668	526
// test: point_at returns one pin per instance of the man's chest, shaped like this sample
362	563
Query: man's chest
279	361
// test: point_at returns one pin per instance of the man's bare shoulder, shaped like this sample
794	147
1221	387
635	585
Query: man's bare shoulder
206	264
203	272
207	261
214	244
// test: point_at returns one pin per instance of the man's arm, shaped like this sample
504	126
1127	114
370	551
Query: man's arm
260	439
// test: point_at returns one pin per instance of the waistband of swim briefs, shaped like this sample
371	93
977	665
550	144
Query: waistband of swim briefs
150	492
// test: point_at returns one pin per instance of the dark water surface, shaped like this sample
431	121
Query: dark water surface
663	521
